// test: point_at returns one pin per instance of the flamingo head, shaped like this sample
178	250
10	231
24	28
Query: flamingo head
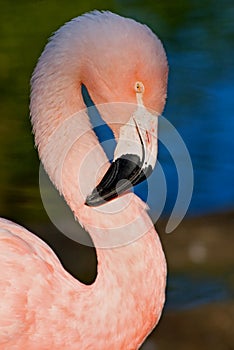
128	78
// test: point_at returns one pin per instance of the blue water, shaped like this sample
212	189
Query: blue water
201	103
206	124
186	291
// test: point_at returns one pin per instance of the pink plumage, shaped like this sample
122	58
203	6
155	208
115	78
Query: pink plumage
43	306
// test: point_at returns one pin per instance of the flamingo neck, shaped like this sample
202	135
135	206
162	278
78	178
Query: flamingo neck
131	264
131	278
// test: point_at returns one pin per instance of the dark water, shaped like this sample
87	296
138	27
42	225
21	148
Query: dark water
199	291
201	103
199	40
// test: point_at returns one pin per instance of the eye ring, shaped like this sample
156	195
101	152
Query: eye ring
139	87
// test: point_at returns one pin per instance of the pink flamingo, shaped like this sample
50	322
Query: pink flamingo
43	306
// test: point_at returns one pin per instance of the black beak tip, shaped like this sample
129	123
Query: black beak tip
94	199
123	173
90	200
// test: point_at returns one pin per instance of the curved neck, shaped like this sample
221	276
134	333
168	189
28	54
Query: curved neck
131	272
69	148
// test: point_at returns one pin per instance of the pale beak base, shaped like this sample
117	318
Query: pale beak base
134	158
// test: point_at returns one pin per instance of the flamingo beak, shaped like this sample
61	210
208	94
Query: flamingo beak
134	158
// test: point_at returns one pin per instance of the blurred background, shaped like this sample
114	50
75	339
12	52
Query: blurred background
198	37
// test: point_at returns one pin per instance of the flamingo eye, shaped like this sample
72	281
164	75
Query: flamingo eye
139	87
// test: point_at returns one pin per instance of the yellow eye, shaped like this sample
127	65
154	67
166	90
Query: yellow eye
139	87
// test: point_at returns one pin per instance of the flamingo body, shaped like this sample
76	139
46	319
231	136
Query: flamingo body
43	306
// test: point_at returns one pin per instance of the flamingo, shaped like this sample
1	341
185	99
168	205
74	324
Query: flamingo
42	306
